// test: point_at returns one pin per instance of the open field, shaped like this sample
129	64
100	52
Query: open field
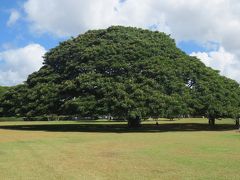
182	149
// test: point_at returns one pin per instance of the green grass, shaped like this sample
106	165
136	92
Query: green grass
182	149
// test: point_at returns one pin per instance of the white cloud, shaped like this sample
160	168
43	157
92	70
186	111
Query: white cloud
17	64
71	17
201	21
14	16
226	62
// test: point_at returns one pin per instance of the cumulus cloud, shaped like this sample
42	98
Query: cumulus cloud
200	21
14	16
226	62
17	64
71	17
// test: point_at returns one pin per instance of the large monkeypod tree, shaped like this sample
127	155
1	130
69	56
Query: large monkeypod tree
127	73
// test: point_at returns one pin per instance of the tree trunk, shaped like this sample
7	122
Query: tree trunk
134	122
211	121
237	123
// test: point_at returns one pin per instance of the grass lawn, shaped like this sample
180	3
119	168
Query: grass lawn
182	149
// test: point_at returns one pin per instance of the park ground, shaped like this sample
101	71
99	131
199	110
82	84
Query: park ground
181	149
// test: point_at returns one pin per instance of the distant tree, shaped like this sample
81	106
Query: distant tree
13	101
3	90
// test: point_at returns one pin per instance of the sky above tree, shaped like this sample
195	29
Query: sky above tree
202	28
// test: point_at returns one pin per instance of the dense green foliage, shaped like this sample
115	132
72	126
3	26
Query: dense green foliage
3	90
123	72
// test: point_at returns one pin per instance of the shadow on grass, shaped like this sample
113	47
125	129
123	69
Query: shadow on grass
120	128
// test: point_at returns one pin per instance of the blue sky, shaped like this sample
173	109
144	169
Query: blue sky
31	27
19	34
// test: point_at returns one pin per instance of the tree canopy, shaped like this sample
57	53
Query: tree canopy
123	72
3	89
